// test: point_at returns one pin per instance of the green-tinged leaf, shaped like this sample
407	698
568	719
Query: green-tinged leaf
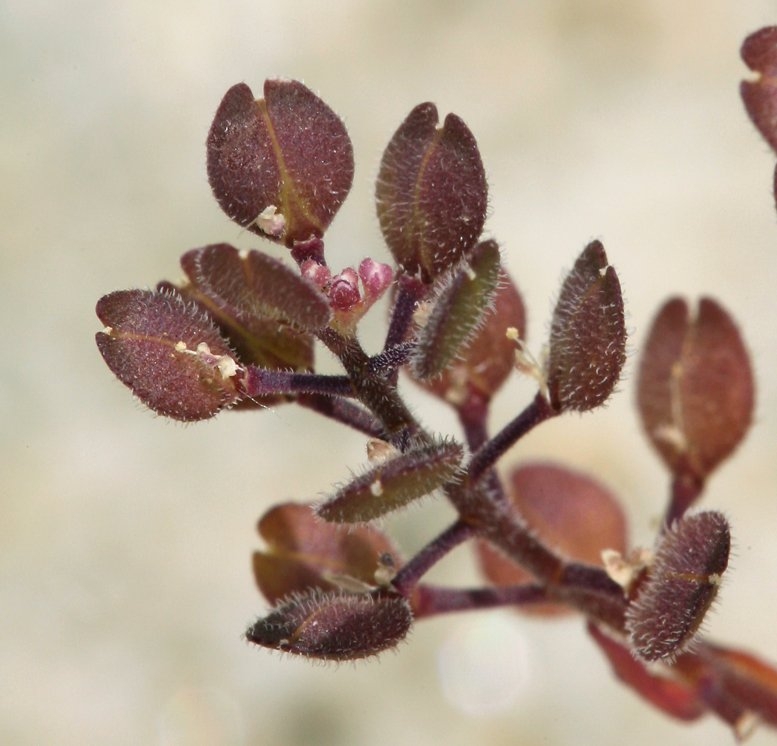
304	552
334	626
168	353
457	312
487	360
394	483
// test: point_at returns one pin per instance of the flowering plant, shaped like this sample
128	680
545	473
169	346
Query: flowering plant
241	330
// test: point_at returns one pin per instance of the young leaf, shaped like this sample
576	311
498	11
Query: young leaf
303	552
759	52
255	285
695	389
431	192
334	626
264	342
280	166
567	510
457	312
394	483
680	586
168	352
587	336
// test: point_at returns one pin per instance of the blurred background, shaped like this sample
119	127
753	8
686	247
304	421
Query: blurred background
125	540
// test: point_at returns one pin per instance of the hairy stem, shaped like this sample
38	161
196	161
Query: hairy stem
429	599
264	381
407	578
378	394
410	291
538	411
343	411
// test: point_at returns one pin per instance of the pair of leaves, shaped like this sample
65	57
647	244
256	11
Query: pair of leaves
166	347
280	166
431	193
695	389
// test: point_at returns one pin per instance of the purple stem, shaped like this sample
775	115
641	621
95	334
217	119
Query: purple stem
343	411
410	573
264	381
409	292
429	599
490	452
686	489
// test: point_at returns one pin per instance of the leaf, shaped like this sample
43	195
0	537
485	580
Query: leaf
334	626
737	683
255	285
431	192
457	312
394	483
695	388
280	166
486	361
168	352
672	696
567	510
304	552
588	335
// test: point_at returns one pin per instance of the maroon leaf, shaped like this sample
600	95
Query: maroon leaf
255	285
588	335
281	166
759	52
431	192
674	697
168	352
735	684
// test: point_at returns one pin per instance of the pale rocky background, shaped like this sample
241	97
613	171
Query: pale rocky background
125	541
